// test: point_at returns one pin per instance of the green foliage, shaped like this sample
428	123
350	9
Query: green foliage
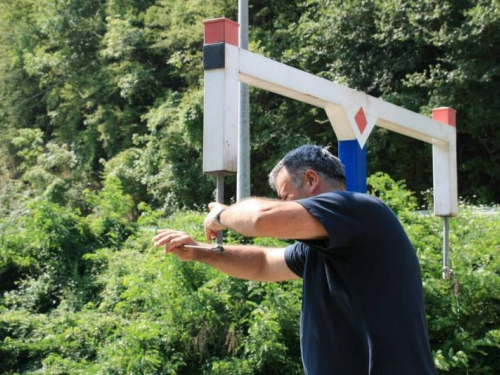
153	314
101	107
395	194
110	220
123	79
139	311
42	251
416	54
28	144
463	328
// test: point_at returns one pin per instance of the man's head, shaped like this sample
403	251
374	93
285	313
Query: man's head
307	171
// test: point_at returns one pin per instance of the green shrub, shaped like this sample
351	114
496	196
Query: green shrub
463	329
393	193
145	312
41	255
111	213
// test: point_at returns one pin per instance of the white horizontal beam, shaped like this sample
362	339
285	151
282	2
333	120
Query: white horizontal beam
340	101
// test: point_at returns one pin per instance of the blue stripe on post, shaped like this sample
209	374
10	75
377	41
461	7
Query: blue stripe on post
354	160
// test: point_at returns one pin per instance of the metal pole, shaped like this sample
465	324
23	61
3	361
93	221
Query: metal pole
243	176
220	199
447	272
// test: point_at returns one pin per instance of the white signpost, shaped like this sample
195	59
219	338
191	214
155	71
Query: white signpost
353	114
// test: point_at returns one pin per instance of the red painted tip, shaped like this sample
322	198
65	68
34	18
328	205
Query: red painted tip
221	30
446	115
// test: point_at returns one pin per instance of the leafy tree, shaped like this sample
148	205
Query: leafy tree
101	108
419	55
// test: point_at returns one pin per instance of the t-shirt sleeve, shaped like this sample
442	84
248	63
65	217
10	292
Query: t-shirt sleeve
338	214
295	258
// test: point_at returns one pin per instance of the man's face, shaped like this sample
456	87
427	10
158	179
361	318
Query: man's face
285	189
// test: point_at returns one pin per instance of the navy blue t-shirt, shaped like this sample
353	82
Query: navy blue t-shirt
362	308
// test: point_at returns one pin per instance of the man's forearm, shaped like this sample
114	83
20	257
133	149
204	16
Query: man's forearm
243	261
243	217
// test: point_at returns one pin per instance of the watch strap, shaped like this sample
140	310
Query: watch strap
217	217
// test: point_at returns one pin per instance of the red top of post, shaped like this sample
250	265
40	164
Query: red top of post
446	115
221	30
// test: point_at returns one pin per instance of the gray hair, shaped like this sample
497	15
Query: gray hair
317	158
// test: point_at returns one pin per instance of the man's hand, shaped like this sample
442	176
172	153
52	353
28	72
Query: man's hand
174	240
243	261
210	223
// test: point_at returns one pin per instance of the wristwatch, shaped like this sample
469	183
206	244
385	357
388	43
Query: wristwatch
217	217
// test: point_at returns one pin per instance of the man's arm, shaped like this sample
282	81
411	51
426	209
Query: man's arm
249	263
244	262
257	217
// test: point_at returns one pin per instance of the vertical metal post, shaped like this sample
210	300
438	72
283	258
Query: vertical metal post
243	176
447	272
445	198
220	199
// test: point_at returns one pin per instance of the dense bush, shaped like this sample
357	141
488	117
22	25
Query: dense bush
101	107
153	314
464	329
81	303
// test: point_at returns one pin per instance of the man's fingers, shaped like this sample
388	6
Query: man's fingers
173	242
161	233
164	240
210	234
213	234
207	234
171	239
207	229
177	242
164	233
169	246
164	237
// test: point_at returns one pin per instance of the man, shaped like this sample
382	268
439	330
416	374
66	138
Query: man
362	308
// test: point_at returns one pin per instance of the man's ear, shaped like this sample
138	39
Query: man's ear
311	177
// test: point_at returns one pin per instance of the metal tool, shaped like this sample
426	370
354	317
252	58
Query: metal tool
218	249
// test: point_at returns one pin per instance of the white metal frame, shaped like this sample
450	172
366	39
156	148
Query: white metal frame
341	105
